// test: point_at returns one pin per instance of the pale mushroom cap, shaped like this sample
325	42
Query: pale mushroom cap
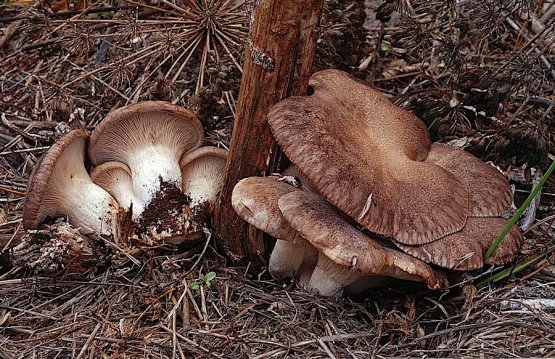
465	249
203	173
255	199
490	193
61	186
115	178
343	244
149	137
364	155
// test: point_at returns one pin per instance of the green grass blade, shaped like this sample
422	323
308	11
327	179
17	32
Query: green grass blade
519	212
516	268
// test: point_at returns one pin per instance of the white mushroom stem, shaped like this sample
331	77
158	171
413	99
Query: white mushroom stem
201	190
287	257
329	278
90	208
127	199
150	165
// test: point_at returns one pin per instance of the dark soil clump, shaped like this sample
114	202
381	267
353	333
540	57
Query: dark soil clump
169	218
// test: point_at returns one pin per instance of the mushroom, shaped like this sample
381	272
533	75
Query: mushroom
203	174
61	186
490	194
346	255
366	156
255	200
150	138
464	250
115	178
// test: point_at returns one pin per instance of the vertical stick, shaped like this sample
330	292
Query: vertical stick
278	64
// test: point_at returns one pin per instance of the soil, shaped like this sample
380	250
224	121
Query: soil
168	218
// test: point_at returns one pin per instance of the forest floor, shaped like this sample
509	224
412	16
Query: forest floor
481	75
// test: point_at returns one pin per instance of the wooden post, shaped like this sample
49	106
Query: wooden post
278	64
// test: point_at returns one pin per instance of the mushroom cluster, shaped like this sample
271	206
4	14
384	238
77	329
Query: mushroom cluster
369	164
143	155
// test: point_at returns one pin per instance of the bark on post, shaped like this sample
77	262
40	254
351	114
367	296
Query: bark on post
278	64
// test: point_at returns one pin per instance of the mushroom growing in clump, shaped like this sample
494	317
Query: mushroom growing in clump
489	199
490	194
306	225
255	199
346	255
367	157
465	249
376	163
61	186
150	138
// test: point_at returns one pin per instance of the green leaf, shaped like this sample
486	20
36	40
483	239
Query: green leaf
195	286
384	47
209	276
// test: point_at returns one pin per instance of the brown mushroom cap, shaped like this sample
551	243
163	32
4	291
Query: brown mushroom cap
365	156
203	171
319	224
490	193
115	178
149	137
61	186
255	199
465	249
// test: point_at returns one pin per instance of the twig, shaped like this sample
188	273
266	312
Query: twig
89	341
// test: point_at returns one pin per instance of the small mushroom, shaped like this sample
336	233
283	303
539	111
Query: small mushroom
61	186
255	200
150	138
345	254
203	174
115	178
366	156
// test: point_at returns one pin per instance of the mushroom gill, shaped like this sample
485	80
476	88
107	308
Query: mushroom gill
150	138
60	186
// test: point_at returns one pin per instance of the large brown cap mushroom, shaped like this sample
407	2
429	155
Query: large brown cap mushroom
203	172
346	247
490	193
255	199
365	156
61	186
465	249
150	138
115	178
